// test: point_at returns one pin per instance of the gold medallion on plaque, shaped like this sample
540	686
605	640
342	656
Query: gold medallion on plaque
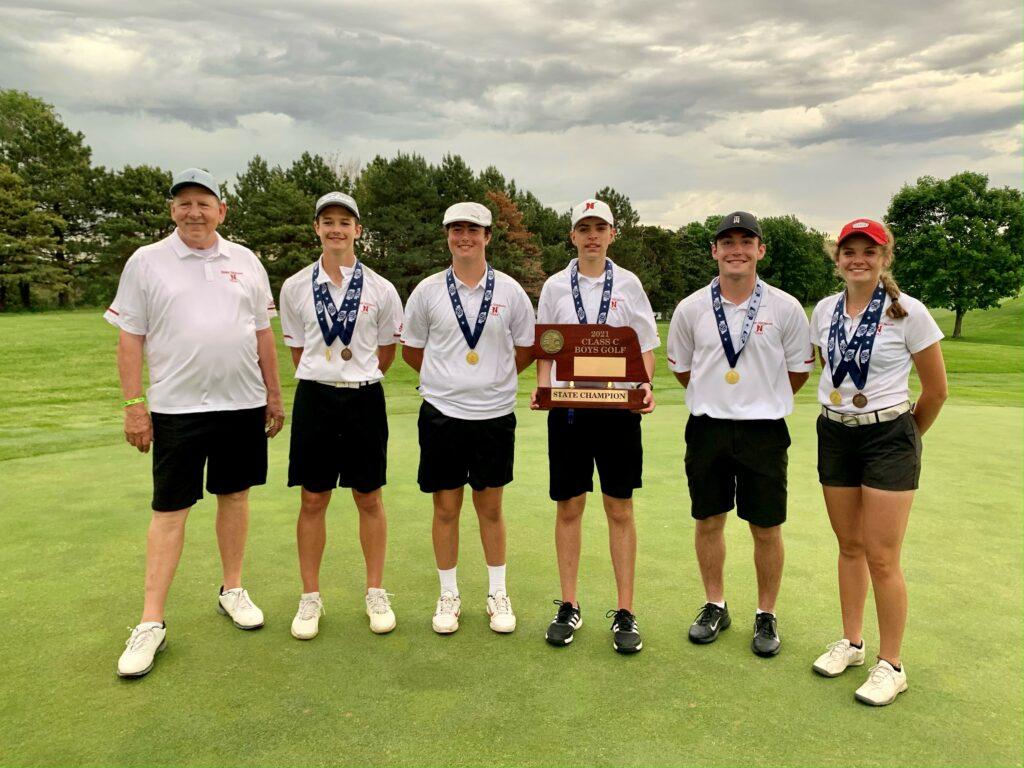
732	377
472	357
552	341
835	398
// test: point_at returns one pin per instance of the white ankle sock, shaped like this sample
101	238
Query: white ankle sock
496	578
720	605
448	582
309	595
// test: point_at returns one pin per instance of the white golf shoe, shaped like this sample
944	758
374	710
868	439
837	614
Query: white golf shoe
145	642
499	608
883	685
306	623
378	608
446	617
243	612
840	655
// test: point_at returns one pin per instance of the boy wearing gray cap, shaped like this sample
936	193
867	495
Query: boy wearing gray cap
198	308
341	321
468	332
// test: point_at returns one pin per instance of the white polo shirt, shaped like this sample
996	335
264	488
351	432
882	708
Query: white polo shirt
777	345
199	315
378	323
629	306
889	369
486	390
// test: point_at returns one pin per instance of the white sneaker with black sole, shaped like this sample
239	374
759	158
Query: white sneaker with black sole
145	642
242	610
883	685
840	655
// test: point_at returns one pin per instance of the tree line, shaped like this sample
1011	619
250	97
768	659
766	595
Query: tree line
67	226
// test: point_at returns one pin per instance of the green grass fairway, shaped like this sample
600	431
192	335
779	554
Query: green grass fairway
75	497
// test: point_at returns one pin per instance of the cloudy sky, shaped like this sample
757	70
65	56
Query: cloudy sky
821	109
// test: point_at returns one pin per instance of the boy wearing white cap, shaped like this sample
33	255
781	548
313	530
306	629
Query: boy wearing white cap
468	332
341	320
197	308
596	290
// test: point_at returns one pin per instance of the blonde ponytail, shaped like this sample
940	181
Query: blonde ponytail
895	310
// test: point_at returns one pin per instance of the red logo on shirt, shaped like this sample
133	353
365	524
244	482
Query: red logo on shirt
760	325
232	276
615	304
495	308
366	308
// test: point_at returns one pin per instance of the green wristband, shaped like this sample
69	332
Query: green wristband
133	401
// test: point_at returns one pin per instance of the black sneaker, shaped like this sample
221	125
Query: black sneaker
709	622
625	632
766	635
567	621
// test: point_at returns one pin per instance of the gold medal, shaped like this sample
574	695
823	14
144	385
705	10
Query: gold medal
472	357
731	376
835	398
860	400
346	354
327	354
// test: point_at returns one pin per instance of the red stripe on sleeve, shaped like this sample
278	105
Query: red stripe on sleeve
113	311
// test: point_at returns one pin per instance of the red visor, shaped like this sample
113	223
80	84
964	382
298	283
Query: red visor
872	229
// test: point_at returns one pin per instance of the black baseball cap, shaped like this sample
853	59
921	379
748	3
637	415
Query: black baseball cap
739	220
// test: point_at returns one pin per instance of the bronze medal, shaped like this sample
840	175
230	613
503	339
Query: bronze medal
860	400
835	398
732	377
327	353
472	357
346	354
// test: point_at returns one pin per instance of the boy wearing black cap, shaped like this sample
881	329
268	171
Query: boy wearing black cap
739	346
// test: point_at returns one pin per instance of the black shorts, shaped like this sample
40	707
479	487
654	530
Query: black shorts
886	456
737	461
610	438
232	445
454	452
339	438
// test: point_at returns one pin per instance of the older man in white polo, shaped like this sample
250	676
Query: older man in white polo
198	308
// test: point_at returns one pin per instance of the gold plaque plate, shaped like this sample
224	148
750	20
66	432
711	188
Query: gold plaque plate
599	366
591	396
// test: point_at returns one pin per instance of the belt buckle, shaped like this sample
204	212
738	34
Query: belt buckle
850	420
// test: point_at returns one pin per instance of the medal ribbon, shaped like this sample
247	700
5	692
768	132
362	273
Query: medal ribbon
855	355
753	304
343	321
606	295
460	314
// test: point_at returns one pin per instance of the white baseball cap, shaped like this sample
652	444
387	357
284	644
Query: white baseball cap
595	208
474	213
336	198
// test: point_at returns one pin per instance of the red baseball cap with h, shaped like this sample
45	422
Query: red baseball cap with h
866	227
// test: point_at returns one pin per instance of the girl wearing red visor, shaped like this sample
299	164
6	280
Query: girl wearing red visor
869	442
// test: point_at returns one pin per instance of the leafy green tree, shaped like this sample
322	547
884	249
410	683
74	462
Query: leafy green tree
54	164
696	266
402	233
132	210
271	214
795	259
314	176
622	208
25	233
958	242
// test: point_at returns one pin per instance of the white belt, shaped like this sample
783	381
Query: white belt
861	419
347	384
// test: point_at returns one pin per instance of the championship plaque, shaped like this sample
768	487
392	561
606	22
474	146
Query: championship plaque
591	358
